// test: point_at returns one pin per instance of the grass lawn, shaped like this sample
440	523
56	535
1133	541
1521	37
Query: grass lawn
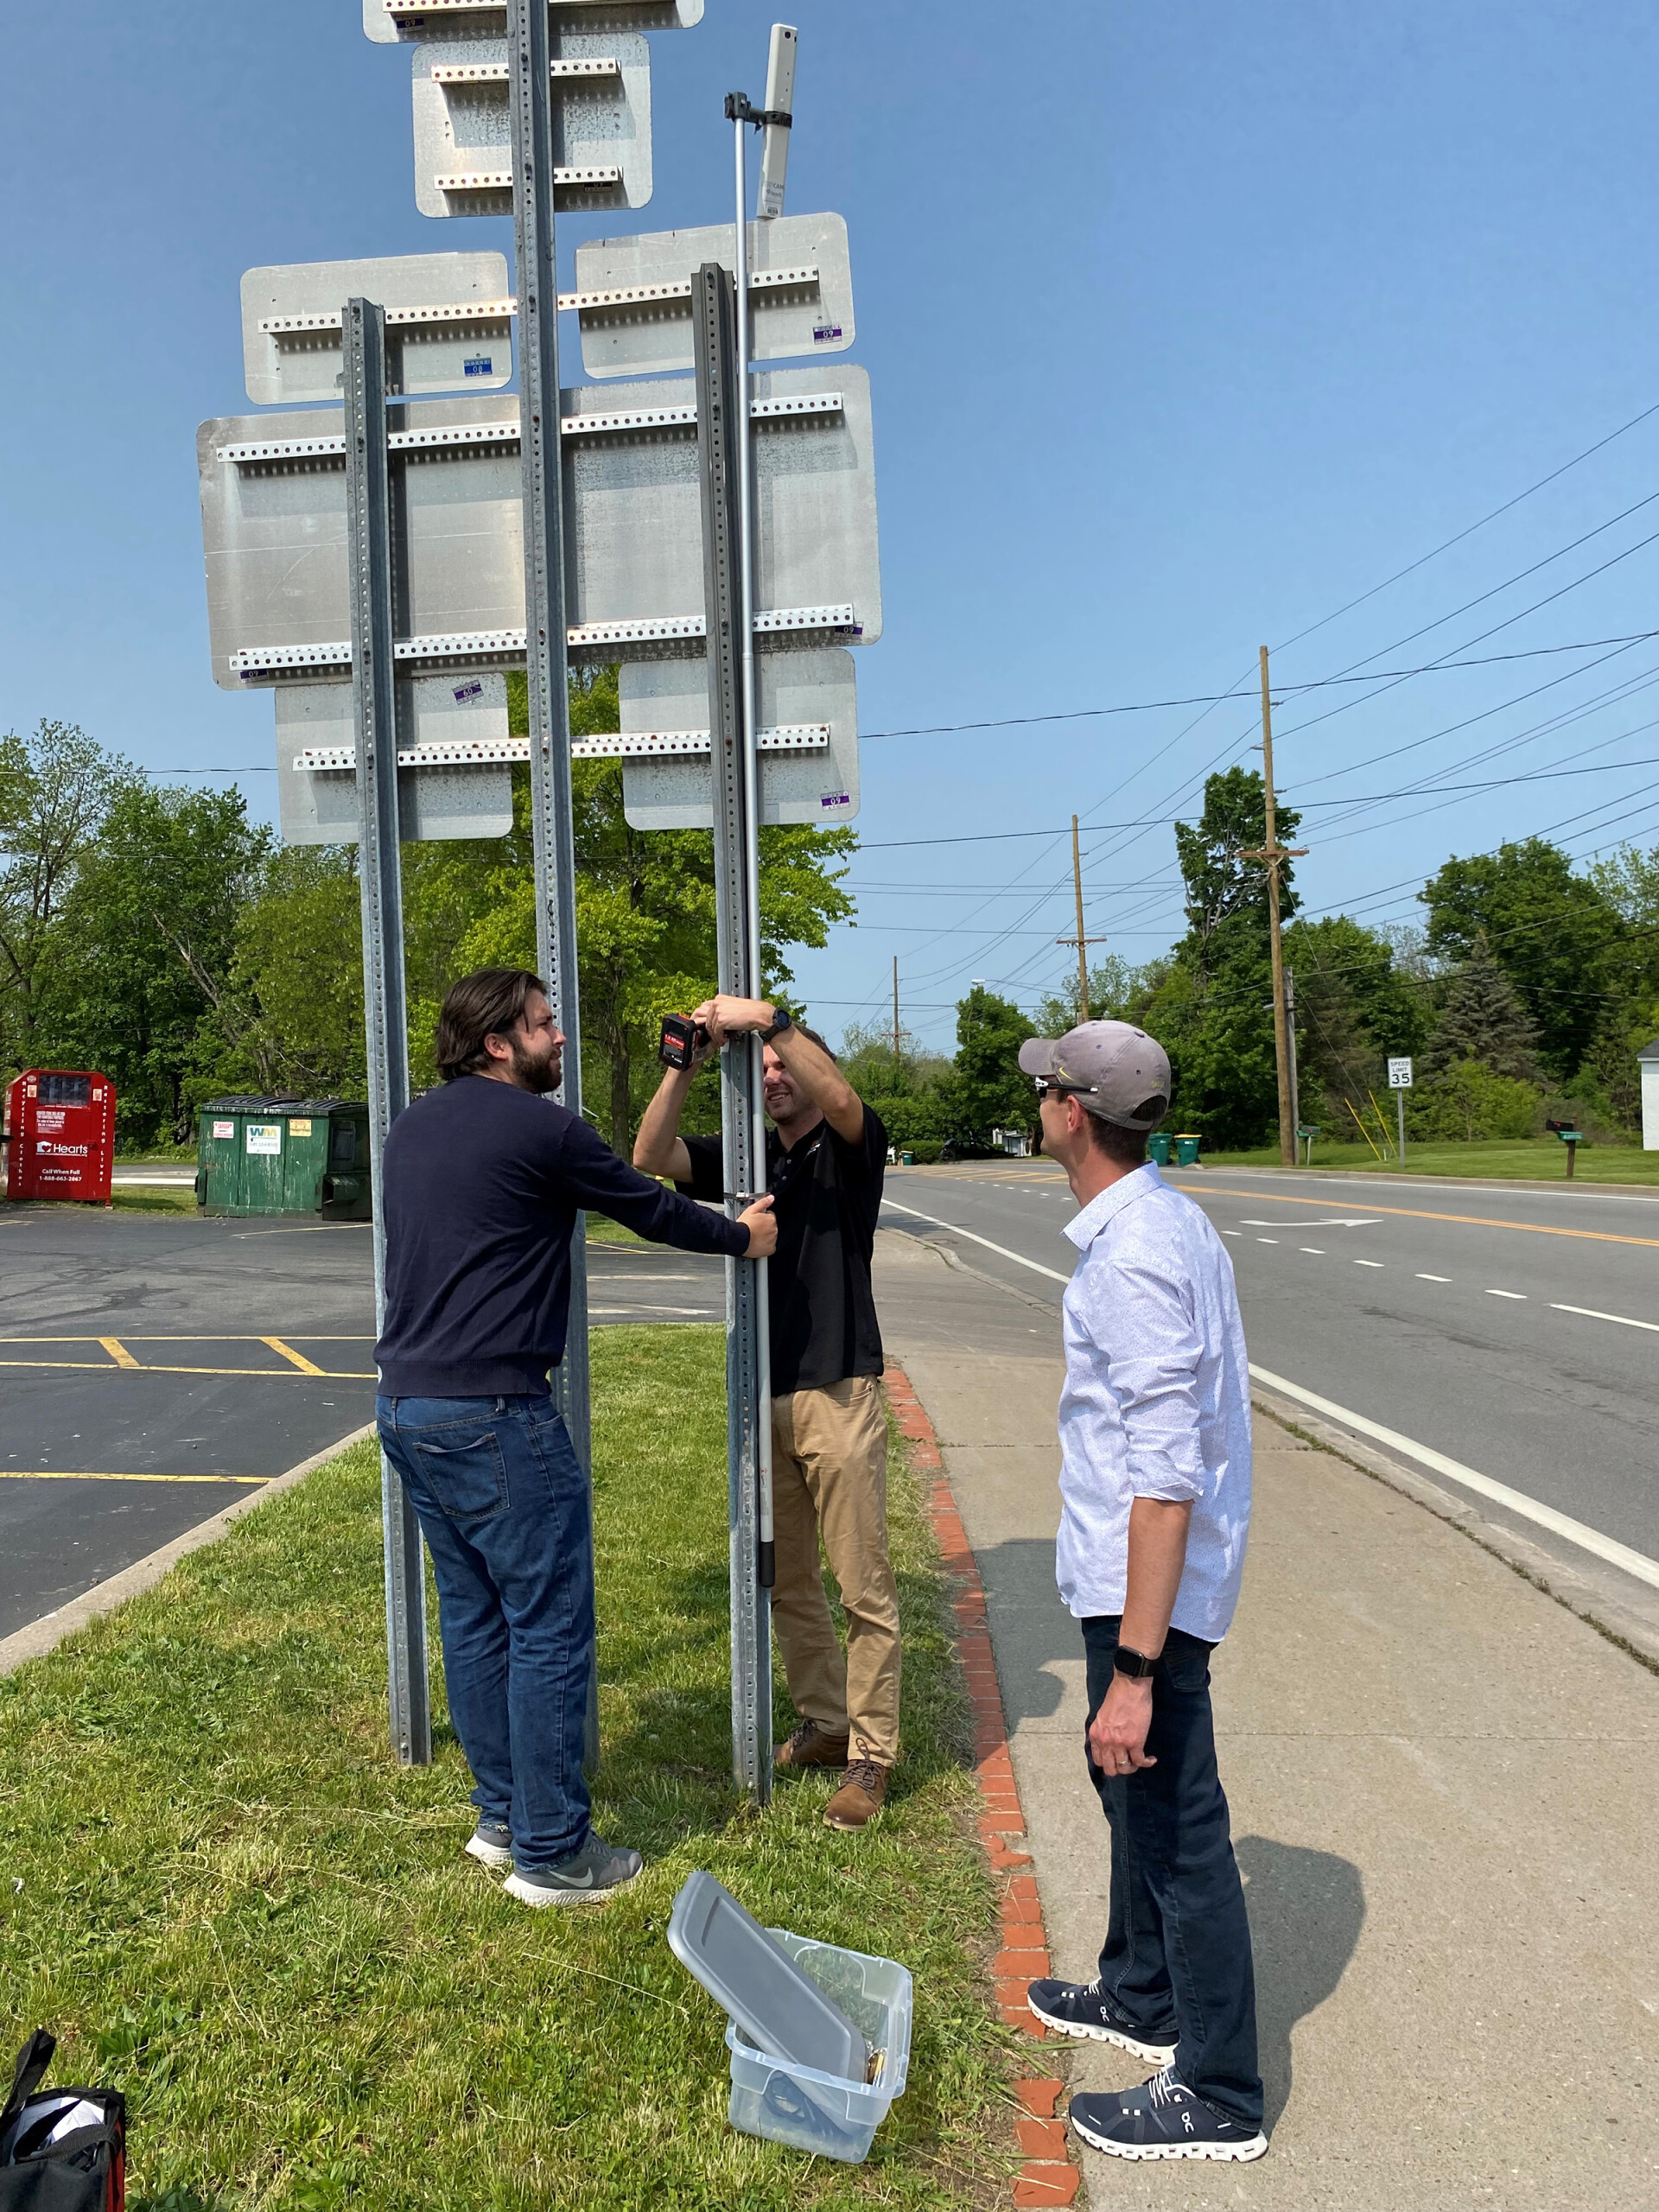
229	1901
1534	1159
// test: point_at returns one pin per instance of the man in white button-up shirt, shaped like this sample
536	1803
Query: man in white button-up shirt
1155	1506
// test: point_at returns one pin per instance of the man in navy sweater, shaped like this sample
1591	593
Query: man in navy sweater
484	1180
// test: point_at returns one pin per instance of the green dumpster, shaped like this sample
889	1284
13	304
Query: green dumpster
1158	1149
283	1155
1186	1151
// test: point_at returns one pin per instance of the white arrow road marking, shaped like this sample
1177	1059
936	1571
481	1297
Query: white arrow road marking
1590	1540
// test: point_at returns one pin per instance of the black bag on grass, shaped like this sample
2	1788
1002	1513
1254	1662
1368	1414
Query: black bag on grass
64	2151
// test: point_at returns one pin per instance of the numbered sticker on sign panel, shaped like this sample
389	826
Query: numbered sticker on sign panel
448	325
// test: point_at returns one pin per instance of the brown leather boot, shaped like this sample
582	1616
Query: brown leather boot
812	1745
859	1799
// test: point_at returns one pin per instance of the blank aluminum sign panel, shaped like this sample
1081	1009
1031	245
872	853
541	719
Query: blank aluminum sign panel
388	21
318	805
798	694
273	505
634	294
601	124
449	321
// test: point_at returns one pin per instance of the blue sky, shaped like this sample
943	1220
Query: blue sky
1188	325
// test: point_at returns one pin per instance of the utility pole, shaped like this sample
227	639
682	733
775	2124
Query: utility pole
1080	940
1275	855
895	1009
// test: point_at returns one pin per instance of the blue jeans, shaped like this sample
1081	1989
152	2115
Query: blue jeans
504	1507
1178	1942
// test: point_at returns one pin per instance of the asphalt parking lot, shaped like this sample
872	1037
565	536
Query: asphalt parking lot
154	1367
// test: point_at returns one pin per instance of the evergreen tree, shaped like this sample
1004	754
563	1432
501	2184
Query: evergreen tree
1483	1019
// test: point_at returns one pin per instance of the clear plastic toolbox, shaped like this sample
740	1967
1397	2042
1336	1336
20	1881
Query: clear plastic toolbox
825	2112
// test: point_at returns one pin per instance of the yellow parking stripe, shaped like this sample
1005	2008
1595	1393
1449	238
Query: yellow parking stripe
270	1374
78	1475
288	1351
118	1351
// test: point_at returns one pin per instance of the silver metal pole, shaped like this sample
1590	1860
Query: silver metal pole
752	810
1400	1108
379	867
531	46
720	410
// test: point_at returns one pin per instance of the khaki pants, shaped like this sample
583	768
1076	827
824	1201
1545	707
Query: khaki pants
829	1476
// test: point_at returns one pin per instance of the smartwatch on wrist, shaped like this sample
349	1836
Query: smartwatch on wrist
1135	1664
780	1021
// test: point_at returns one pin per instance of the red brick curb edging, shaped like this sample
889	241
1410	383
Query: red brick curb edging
1048	2176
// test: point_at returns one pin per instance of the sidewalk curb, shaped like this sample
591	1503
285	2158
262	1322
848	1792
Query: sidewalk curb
38	1638
1632	1635
1048	2176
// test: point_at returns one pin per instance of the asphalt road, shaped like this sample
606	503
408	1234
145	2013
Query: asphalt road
1515	1332
153	1367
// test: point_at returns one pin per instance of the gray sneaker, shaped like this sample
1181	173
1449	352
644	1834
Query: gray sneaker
491	1844
586	1877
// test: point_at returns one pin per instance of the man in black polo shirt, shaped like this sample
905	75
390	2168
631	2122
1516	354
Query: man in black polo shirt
826	1158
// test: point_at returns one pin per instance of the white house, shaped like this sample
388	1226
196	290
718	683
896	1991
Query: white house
1647	1060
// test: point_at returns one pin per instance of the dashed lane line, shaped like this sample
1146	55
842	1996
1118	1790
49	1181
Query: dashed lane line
1423	1278
1507	1293
1370	1263
1529	1508
1606	1549
1421	1213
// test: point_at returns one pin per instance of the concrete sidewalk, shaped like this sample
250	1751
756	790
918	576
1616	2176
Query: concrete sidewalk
1444	1790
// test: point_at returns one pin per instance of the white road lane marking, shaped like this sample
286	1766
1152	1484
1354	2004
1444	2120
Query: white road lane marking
1230	1232
1266	1240
1591	1313
1506	1293
1018	1258
1529	1508
1433	1278
1326	1220
1370	1263
1316	1251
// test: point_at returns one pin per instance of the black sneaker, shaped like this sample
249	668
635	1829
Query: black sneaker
1083	2010
586	1877
491	1844
1161	2120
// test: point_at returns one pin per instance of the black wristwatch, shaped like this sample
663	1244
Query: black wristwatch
1135	1664
780	1021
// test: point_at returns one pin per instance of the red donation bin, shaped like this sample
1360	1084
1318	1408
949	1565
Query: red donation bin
60	1135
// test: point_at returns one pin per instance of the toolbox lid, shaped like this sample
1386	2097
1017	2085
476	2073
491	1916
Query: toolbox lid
757	1982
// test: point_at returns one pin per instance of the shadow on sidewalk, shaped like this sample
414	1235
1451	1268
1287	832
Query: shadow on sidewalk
1307	1911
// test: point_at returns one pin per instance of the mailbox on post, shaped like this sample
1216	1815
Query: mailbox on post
60	1135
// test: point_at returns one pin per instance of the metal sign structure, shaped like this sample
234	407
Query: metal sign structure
447	319
633	295
453	752
275	537
601	120
392	22
1399	1075
385	999
806	738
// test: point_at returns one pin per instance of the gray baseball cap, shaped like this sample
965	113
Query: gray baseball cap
1113	1069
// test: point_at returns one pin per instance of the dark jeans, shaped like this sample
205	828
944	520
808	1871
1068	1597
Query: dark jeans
1178	1948
504	1508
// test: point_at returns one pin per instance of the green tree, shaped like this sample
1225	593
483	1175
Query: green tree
144	989
1111	984
1354	1009
298	969
1469	1104
1209	1005
1483	1019
1554	935
55	788
906	1088
985	1088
